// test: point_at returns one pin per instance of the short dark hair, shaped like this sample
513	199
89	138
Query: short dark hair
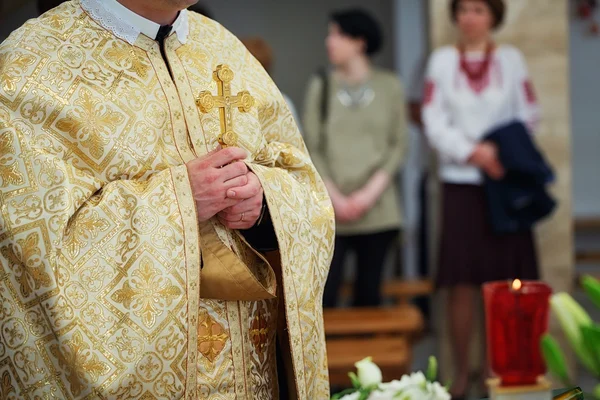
359	24
497	7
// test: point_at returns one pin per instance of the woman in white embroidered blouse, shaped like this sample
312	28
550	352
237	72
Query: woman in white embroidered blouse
470	89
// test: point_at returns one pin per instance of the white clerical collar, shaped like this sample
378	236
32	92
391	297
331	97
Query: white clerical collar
128	25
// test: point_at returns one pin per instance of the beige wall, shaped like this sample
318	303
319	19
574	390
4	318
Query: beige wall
540	29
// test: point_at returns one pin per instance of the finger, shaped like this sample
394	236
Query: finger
248	205
226	156
236	182
225	204
240	225
243	217
252	189
224	217
233	170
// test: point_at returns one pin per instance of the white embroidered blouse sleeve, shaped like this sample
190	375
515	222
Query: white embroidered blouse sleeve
448	140
527	108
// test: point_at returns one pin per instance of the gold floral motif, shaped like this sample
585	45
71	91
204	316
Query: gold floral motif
144	220
81	365
156	115
86	38
96	321
167	386
35	108
92	71
76	294
127	242
28	362
147	293
211	336
129	348
165	238
91	123
93	276
194	58
56	76
12	69
82	230
46	42
36	322
29	208
6	386
129	388
25	261
56	21
9	167
7	307
149	367
123	204
57	200
14	333
169	344
52	171
71	55
160	202
61	312
124	56
259	331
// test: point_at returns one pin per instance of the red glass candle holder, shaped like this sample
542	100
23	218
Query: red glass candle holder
516	318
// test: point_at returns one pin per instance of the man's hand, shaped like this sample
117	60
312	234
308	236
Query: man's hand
485	156
212	176
249	204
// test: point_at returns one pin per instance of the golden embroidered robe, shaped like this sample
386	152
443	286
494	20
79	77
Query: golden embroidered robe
102	295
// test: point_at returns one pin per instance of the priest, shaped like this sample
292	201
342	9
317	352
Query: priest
163	232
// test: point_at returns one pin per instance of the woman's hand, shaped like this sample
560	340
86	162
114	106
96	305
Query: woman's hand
485	156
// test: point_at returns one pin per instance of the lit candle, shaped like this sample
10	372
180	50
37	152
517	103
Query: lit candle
516	318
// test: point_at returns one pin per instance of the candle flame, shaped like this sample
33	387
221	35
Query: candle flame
516	285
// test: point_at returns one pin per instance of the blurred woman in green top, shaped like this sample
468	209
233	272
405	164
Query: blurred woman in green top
356	132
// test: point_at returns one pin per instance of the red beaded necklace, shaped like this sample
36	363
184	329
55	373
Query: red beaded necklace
477	74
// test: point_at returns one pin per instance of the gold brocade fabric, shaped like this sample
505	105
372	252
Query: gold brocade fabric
101	292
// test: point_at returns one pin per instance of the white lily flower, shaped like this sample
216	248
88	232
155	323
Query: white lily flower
368	373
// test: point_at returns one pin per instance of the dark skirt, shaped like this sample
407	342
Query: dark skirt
470	252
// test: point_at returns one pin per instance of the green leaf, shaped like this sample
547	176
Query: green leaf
591	338
364	394
597	391
572	318
354	380
448	384
591	286
342	394
432	368
555	359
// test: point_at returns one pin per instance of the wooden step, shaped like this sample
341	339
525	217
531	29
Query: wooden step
587	256
587	224
398	289
391	354
402	319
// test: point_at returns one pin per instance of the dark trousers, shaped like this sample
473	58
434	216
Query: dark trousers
371	251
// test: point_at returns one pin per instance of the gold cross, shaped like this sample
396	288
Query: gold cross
225	102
